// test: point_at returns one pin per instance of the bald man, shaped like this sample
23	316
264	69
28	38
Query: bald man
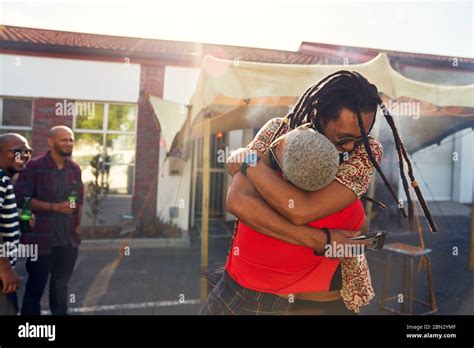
49	180
14	154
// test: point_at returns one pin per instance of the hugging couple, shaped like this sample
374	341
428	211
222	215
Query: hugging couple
297	188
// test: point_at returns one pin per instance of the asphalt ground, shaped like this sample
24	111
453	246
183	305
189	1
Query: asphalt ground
165	281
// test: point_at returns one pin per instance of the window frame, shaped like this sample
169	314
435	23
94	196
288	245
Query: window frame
105	132
13	128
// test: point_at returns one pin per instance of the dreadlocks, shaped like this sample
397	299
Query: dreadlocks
323	102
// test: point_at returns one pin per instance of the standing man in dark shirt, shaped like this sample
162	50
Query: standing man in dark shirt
14	154
49	180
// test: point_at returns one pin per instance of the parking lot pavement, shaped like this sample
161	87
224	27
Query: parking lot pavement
452	281
148	281
165	281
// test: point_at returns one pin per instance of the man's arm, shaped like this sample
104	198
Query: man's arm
38	206
244	202
298	206
79	218
80	200
9	280
8	277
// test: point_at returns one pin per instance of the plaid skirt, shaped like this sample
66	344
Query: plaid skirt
229	298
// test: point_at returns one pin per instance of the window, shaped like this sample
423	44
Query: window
109	128
16	116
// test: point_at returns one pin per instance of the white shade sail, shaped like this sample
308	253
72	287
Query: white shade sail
238	95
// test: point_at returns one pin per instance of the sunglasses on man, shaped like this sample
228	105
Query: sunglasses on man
22	151
339	142
18	152
347	140
274	164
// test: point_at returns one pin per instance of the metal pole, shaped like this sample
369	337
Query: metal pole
470	262
205	202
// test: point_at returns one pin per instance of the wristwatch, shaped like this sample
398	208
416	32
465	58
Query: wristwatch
250	160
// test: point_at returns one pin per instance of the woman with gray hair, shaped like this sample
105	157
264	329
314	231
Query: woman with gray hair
308	159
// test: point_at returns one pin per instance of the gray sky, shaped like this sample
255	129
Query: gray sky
435	27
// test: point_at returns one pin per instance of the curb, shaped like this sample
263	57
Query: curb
144	243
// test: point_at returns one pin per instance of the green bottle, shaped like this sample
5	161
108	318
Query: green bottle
25	216
72	198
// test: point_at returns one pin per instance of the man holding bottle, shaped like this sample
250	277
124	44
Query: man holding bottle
53	182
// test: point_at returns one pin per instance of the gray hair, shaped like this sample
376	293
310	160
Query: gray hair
310	161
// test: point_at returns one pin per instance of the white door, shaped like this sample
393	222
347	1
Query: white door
433	169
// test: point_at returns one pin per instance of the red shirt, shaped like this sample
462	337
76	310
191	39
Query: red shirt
267	264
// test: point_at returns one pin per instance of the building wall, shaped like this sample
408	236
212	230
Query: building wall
44	118
147	150
40	77
51	80
445	171
463	171
174	191
433	170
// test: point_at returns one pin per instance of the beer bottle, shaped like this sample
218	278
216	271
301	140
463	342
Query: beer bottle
72	198
26	216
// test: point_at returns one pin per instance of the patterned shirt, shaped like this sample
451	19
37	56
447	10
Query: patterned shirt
355	173
9	225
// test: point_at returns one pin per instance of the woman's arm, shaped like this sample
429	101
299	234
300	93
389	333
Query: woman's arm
244	202
298	206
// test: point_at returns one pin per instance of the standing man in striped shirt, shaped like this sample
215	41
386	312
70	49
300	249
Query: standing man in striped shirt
14	154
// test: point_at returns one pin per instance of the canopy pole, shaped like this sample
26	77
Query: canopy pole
206	137
470	262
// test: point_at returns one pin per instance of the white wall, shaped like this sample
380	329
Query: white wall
36	77
172	189
445	172
433	170
179	85
463	174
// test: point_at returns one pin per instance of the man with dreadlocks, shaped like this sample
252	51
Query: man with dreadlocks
341	106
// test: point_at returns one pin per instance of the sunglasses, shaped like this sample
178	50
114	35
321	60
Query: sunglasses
340	142
347	140
308	125
272	157
18	152
23	151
